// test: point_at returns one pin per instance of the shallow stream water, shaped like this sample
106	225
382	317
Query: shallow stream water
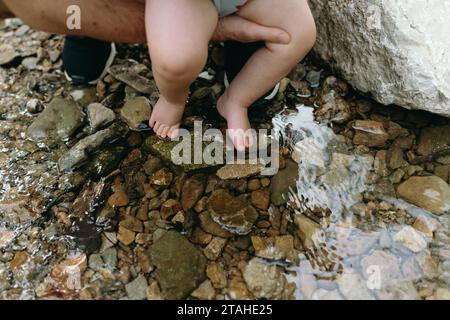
84	233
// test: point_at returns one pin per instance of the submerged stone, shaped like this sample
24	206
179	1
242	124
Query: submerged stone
431	193
57	123
370	133
180	266
233	214
267	281
283	182
81	151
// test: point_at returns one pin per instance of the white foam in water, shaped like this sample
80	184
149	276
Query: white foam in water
323	183
367	263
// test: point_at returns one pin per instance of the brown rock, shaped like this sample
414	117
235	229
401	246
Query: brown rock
143	261
180	218
395	130
132	223
369	133
126	236
58	285
152	165
306	230
283	182
19	259
237	290
162	177
443	172
18	211
267	281
233	214
265	182
208	225
261	199
275	217
200	237
169	208
394	157
274	248
217	275
154	292
428	265
201	205
118	199
136	111
433	139
205	291
426	225
144	239
192	191
431	193
142	213
254	184
214	248
239	171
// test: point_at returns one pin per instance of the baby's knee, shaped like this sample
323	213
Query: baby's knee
178	64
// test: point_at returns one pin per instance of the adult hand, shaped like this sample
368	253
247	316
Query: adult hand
239	29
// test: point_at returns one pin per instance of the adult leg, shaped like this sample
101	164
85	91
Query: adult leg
110	20
179	32
269	64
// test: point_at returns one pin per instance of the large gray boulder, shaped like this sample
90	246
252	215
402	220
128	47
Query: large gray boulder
397	50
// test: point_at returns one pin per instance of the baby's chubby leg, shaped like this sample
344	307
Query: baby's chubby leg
178	33
271	63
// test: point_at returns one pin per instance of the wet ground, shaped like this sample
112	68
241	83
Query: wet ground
92	208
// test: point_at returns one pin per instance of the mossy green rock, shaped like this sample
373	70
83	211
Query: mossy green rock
163	150
180	266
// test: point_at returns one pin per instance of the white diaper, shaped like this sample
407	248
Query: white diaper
227	7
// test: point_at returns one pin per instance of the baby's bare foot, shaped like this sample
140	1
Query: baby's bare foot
237	122
166	118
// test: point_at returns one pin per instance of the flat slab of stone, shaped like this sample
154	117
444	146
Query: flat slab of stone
57	123
163	149
180	266
430	193
239	171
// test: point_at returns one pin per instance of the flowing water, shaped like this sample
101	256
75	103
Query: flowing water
353	255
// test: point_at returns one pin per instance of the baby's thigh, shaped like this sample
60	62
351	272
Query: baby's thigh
180	23
288	15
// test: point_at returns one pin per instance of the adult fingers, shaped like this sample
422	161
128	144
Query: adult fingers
239	29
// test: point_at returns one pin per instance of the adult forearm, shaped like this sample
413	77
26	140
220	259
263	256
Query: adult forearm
124	21
111	20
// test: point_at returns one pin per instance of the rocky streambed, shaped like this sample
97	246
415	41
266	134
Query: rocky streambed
91	206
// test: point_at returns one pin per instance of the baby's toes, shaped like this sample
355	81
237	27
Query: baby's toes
164	129
152	123
173	133
156	127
